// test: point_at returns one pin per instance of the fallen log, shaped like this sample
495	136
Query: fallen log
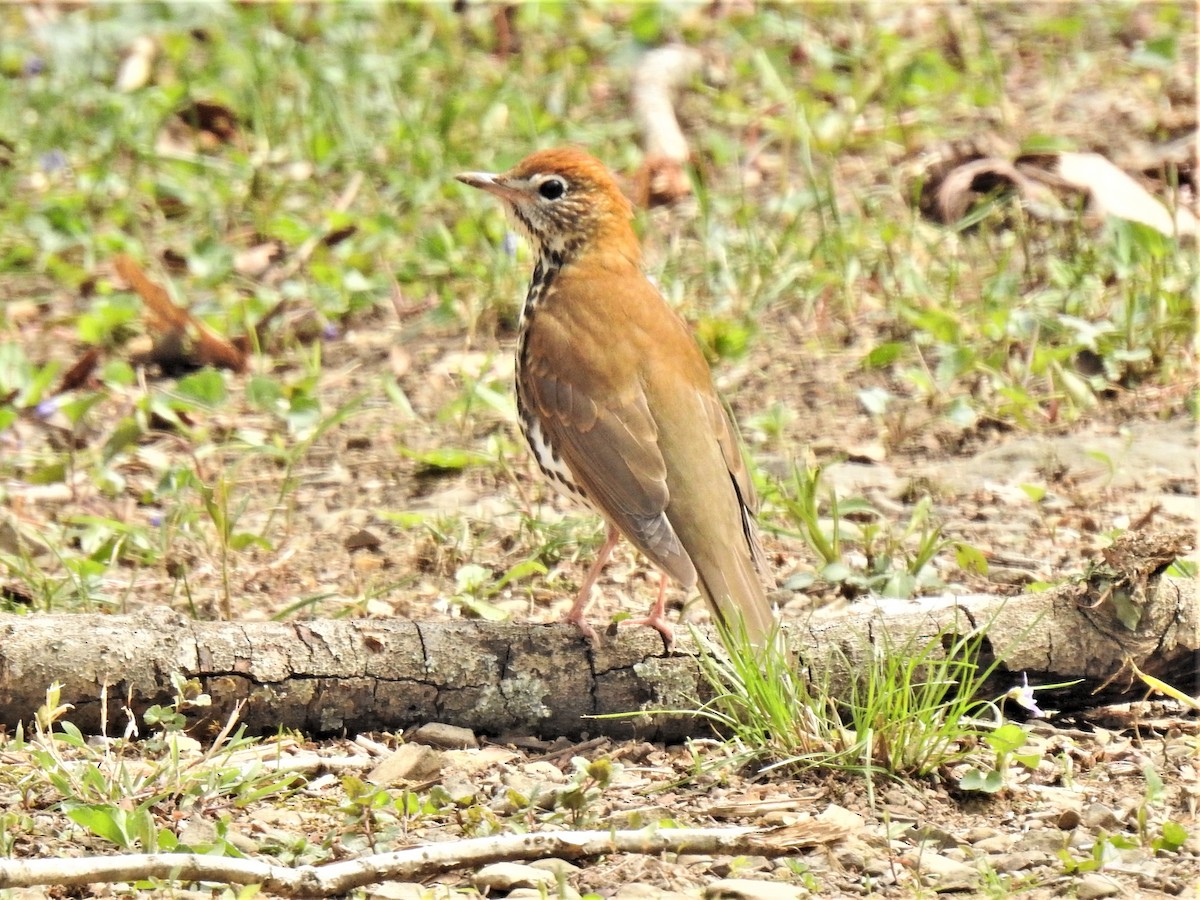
327	677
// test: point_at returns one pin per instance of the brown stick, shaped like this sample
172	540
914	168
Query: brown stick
415	863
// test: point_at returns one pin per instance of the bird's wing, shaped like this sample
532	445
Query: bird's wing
725	428
602	427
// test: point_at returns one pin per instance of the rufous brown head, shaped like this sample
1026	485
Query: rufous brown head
564	202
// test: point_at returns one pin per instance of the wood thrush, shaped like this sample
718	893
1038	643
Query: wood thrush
616	400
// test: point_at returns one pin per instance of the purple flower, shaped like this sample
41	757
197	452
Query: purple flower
1023	696
53	161
331	332
48	407
34	65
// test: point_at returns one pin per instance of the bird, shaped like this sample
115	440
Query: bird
616	400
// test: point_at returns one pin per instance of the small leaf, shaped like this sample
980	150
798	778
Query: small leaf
265	393
900	585
1034	492
1028	760
1174	835
962	413
884	355
1006	738
1128	612
125	434
106	821
470	578
482	609
241	540
970	558
836	572
875	400
205	387
444	459
521	571
975	780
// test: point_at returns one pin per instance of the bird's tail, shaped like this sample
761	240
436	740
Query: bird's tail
731	578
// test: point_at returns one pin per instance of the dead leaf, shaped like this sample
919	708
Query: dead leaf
79	373
504	21
200	126
137	65
21	312
1113	192
173	261
1042	182
660	182
399	361
338	235
254	261
179	338
805	832
948	199
362	540
662	177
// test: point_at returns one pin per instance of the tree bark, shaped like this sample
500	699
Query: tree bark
328	677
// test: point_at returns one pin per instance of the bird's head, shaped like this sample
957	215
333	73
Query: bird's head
564	202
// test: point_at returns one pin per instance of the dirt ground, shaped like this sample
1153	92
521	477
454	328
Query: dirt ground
1131	464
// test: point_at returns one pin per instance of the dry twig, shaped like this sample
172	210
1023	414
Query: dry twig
415	863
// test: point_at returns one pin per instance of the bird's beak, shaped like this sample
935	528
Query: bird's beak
493	184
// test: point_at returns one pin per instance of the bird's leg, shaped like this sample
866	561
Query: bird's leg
657	617
578	614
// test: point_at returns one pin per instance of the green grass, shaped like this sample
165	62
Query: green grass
872	709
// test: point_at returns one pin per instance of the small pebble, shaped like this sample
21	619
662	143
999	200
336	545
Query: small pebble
852	859
940	872
565	893
1094	885
448	737
978	833
461	791
646	892
1096	816
997	843
410	762
560	867
748	889
1068	819
505	876
544	771
397	890
1019	861
1049	839
725	866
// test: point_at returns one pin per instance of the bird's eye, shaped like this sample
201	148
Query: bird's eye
552	188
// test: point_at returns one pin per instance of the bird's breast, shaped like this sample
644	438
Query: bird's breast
548	458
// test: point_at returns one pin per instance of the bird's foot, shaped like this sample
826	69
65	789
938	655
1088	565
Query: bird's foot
581	622
659	622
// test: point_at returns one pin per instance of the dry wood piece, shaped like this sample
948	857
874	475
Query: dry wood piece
661	178
417	862
180	340
327	677
955	185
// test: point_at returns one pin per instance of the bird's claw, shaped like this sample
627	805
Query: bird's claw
658	623
589	633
